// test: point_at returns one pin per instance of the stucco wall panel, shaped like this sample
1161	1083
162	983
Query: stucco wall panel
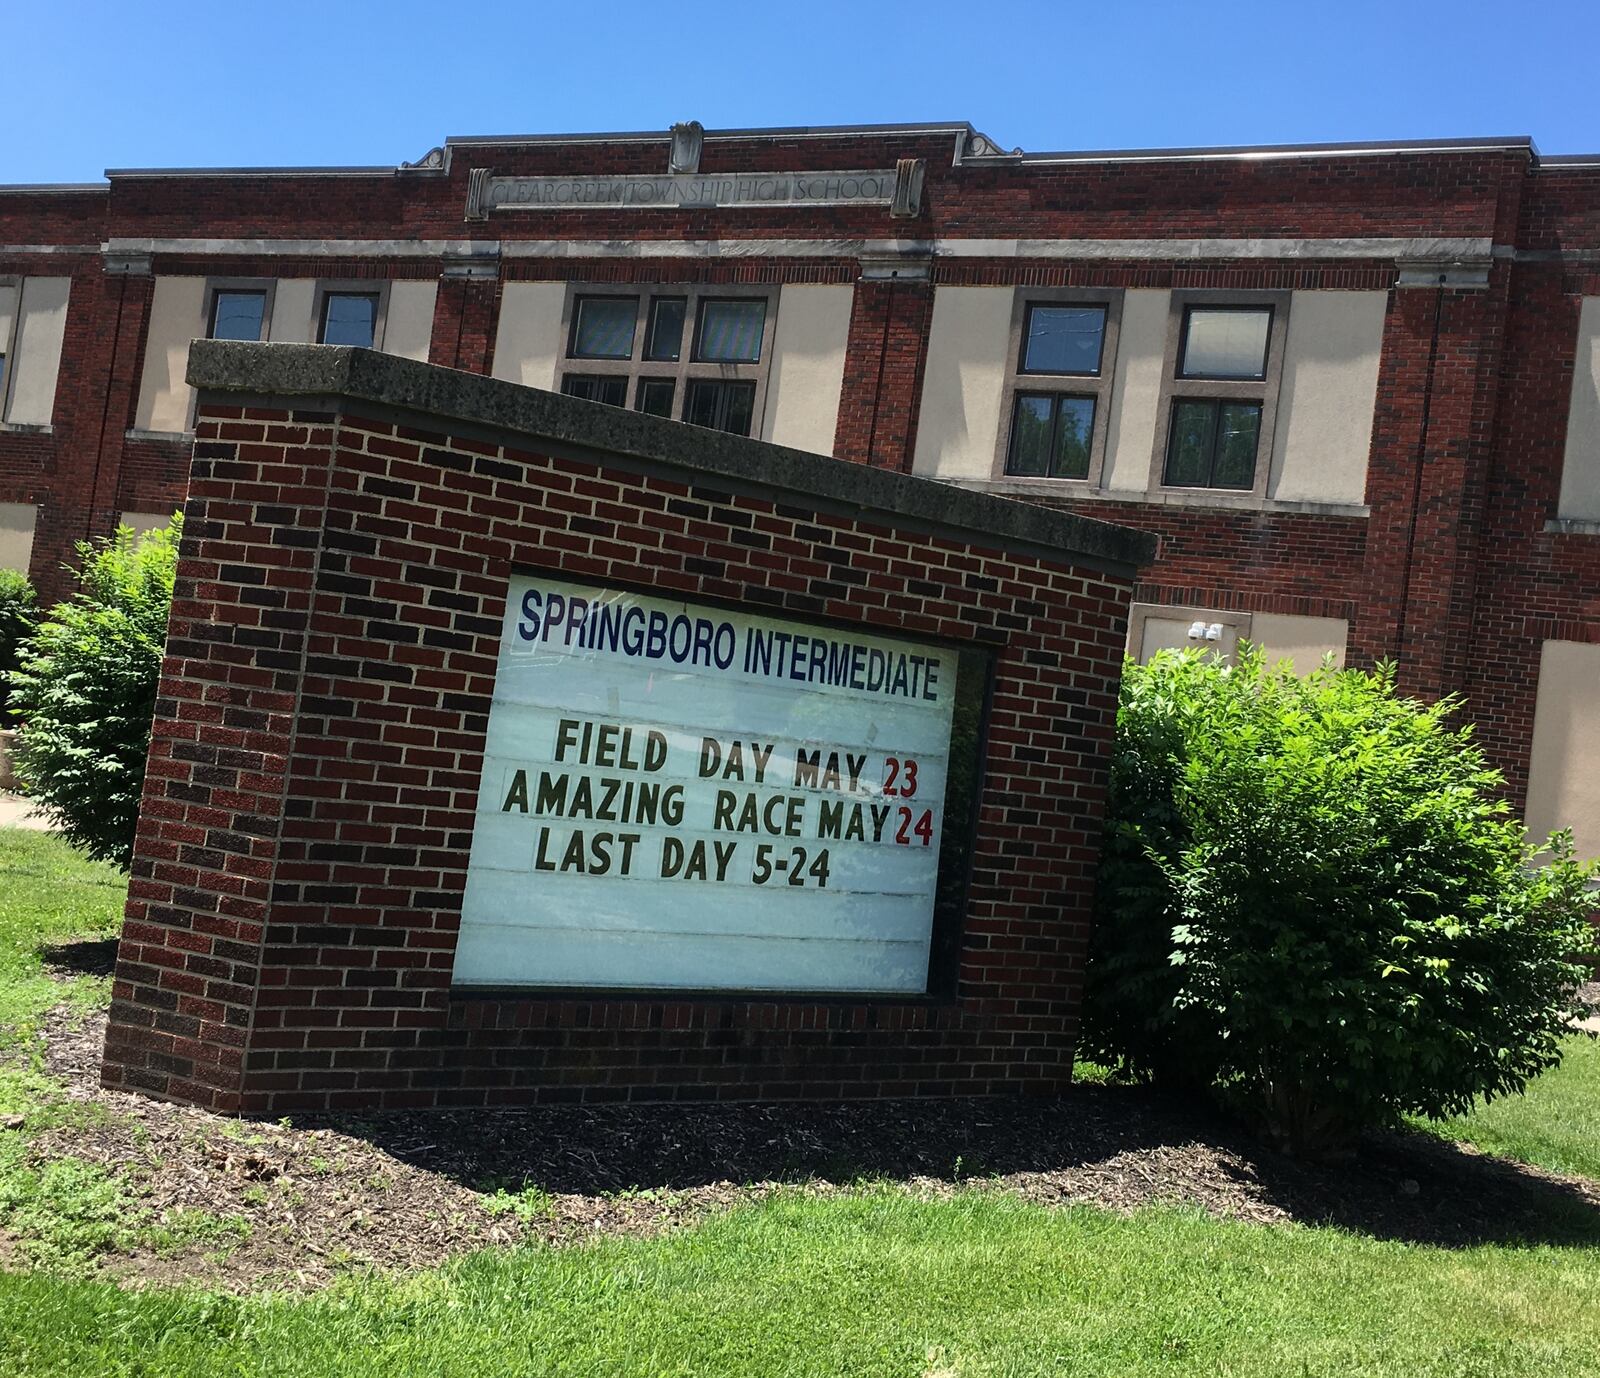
177	316
1325	409
807	369
959	424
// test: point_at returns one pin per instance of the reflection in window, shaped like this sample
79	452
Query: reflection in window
655	396
730	332
349	318
1051	436
719	405
1225	343
1213	444
610	389
664	341
1063	339
603	327
237	315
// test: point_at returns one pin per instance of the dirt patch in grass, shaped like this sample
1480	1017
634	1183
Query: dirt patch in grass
301	1203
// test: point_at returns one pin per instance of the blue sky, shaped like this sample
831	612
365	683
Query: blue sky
231	83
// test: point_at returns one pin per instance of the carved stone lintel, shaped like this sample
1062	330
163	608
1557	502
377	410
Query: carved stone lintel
909	175
477	190
687	140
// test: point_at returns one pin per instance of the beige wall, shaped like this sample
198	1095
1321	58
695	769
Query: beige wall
41	326
141	522
528	344
293	301
1153	627
1136	389
8	319
408	322
177	316
1580	470
1330	386
16	535
1301	640
1563	783
959	424
807	370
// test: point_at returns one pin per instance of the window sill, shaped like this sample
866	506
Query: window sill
167	437
1079	490
1573	526
23	428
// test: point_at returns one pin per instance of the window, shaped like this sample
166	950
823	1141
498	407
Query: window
602	328
349	318
595	388
237	314
1057	398
1219	391
688	353
1225	342
1213	444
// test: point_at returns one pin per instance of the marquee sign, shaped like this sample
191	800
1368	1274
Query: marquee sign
679	796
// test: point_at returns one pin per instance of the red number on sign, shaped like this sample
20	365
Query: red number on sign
900	832
924	828
892	764
908	785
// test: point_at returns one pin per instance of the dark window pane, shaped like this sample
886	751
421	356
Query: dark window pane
665	338
237	315
655	396
603	328
730	331
720	406
1063	339
1238	431
349	318
1074	431
1225	344
612	391
1030	437
1189	448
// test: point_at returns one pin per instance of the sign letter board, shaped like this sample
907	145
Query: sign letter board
678	796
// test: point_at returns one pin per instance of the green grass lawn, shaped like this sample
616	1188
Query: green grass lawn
873	1282
48	894
1555	1123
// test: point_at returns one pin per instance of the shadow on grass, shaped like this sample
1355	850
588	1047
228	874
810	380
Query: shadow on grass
81	957
1117	1147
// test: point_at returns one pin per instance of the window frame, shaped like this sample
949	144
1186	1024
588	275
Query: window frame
208	315
216	287
637	368
1263	391
361	287
1099	386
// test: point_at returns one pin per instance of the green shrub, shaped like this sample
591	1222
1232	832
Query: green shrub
1314	903
85	691
19	613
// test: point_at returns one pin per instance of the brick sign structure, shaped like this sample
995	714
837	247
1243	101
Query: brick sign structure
510	747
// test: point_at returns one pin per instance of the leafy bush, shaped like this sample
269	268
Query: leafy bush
1314	903
19	612
85	691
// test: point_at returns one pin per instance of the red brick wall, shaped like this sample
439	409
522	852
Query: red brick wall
309	806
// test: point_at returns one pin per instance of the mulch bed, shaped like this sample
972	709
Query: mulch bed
401	1190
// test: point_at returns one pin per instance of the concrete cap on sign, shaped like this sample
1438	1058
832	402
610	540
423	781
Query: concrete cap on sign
533	415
